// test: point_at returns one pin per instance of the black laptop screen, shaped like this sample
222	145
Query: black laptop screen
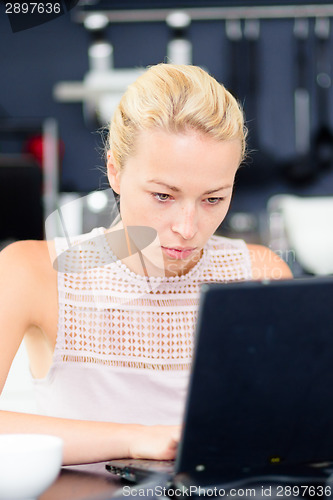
262	378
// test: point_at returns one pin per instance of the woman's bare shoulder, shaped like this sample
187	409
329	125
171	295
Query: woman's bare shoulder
26	271
267	265
28	297
27	257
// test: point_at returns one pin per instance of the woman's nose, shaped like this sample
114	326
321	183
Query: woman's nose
185	222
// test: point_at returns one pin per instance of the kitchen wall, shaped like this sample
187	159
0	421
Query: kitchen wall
33	61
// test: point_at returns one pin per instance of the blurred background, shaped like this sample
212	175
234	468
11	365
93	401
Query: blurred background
61	80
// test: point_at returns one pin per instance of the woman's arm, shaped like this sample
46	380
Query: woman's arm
24	298
88	442
267	264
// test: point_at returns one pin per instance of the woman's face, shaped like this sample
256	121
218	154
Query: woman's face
180	185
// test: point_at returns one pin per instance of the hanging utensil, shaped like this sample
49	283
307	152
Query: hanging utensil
179	48
323	139
251	35
262	169
233	30
302	168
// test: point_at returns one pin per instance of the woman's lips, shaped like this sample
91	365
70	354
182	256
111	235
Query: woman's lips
178	253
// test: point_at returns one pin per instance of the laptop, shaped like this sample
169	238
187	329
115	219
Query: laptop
260	398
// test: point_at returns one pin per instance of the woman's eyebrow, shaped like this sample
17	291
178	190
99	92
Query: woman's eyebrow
172	188
177	190
219	189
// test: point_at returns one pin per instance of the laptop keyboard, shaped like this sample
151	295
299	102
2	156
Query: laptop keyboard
129	469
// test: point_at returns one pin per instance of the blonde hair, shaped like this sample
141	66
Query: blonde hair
177	99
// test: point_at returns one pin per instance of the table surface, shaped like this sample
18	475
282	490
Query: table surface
93	482
84	482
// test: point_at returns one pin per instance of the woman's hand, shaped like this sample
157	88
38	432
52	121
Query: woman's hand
158	442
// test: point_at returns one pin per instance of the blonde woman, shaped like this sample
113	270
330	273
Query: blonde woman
110	347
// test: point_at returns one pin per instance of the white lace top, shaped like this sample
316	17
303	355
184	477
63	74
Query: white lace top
124	348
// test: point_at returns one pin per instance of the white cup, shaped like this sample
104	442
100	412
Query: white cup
29	464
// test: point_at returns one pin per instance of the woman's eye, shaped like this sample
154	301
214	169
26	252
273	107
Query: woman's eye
161	196
214	201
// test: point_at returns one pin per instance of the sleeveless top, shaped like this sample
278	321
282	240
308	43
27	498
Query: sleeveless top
123	348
